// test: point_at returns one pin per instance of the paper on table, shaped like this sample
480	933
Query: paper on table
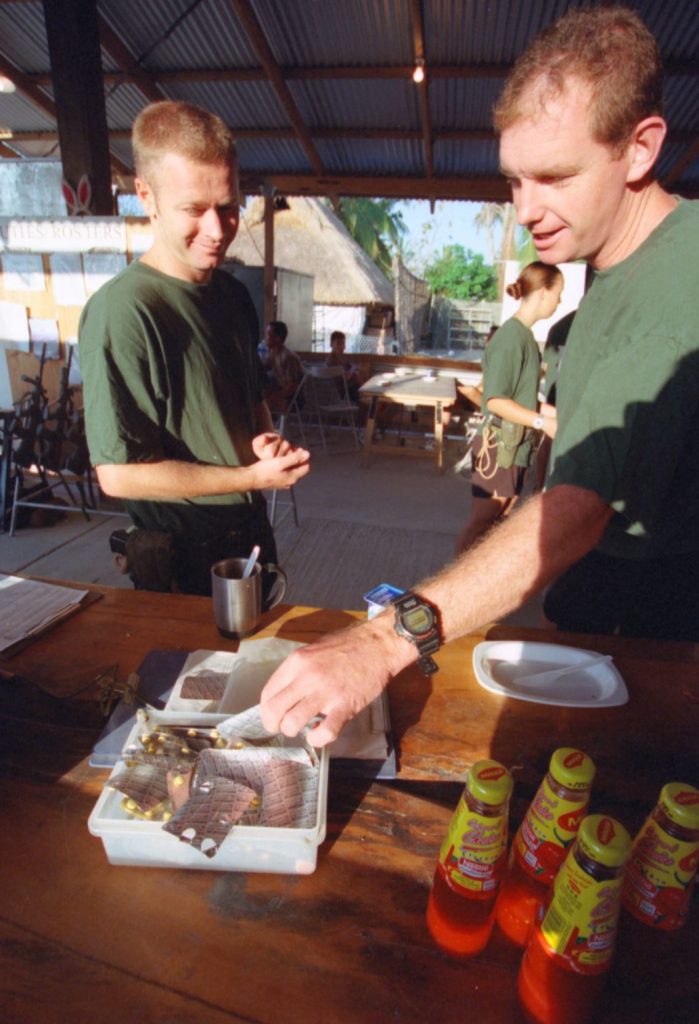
365	736
27	607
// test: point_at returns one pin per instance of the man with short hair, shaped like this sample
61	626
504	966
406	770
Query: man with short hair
175	419
581	130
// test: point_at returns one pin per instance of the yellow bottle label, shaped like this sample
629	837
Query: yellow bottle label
473	851
581	921
550	826
660	877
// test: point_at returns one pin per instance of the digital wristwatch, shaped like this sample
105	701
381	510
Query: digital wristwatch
416	621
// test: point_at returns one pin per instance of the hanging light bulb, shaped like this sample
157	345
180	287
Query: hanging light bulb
419	72
6	84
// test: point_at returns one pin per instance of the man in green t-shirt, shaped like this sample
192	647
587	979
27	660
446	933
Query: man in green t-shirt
580	132
176	422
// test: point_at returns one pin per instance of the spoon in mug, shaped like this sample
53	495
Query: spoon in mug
250	564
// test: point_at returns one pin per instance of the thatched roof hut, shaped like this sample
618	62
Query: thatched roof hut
310	239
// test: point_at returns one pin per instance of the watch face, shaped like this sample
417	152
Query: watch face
418	620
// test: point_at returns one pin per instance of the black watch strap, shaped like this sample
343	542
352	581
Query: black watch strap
426	638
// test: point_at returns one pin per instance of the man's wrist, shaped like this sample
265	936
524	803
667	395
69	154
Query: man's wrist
397	652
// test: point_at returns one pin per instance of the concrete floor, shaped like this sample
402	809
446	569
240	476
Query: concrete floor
393	522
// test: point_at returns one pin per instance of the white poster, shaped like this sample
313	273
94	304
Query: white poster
100	267
67	279
23	272
14	326
45	332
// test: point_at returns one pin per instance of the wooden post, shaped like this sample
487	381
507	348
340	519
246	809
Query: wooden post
76	69
270	307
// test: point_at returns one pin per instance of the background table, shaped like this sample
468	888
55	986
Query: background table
86	941
409	389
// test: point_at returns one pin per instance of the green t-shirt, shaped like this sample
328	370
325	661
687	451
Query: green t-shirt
628	394
511	367
170	371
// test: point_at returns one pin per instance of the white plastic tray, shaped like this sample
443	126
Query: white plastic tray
498	665
129	841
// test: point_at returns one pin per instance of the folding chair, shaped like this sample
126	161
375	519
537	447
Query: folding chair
326	399
280	422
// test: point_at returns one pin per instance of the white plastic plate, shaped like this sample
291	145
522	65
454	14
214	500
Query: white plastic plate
498	665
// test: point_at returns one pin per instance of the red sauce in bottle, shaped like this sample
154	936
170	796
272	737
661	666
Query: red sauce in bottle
658	884
571	946
461	906
541	841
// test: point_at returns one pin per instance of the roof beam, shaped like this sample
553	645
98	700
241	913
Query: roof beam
274	73
29	86
481	188
76	68
130	67
374	134
353	72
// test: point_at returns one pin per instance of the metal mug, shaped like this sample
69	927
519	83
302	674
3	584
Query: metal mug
238	601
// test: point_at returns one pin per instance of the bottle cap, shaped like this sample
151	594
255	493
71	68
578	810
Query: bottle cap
604	839
490	782
681	804
572	768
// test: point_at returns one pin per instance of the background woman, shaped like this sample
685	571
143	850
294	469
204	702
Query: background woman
511	369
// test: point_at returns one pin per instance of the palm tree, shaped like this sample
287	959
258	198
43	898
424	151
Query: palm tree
487	217
504	214
375	225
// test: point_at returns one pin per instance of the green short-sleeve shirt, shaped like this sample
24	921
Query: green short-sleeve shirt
628	394
170	371
511	367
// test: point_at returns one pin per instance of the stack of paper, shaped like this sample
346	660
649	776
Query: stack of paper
28	607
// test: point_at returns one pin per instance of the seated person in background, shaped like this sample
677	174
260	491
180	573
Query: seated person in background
336	357
284	368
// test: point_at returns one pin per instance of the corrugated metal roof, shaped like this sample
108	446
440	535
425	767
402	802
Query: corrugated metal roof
681	105
240	104
267	155
464	159
367	156
338	62
357	104
459	102
23	36
123	102
20	114
338	32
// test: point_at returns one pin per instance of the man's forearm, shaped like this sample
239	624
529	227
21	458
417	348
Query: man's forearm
172	480
517	558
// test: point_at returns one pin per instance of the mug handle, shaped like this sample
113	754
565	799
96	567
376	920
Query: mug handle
278	588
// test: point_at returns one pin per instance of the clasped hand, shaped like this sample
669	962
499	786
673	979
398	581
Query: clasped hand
280	463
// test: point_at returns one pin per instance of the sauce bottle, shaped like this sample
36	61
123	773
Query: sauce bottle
659	879
542	840
461	907
571	946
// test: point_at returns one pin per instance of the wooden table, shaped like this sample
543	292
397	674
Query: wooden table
84	941
411	390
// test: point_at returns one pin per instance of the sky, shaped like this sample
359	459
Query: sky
451	224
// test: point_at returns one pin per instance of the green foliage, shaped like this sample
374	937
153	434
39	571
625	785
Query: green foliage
459	273
375	225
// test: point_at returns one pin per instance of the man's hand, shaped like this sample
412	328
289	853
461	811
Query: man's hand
280	464
270	444
550	424
336	678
